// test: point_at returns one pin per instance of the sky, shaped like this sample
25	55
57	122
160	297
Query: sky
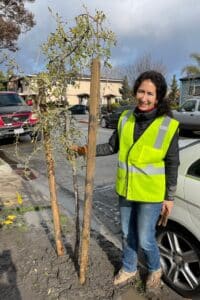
168	30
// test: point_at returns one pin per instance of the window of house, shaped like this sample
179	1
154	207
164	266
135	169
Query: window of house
194	90
117	100
194	169
197	90
191	90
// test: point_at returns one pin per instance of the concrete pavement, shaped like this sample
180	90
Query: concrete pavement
10	182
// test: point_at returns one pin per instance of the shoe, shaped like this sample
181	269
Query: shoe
124	277
153	284
154	279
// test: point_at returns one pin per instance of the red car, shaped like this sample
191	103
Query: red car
16	117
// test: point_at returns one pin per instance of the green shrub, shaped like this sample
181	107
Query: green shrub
114	106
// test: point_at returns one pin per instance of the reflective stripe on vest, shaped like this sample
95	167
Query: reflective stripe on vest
162	131
148	170
125	118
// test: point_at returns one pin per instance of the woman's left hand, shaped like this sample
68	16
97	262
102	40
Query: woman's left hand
165	212
167	207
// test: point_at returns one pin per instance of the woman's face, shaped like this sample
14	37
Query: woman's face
146	95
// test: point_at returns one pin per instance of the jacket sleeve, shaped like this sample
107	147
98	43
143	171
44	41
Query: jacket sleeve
171	167
109	148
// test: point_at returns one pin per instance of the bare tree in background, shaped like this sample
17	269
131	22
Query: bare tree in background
132	70
142	64
14	20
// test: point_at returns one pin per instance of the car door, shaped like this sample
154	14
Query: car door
192	195
189	114
115	117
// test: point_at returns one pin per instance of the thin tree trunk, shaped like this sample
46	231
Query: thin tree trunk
50	167
91	160
72	159
53	196
77	208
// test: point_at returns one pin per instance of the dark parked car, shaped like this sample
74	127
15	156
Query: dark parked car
78	109
111	119
16	117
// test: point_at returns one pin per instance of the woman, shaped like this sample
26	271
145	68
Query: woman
148	159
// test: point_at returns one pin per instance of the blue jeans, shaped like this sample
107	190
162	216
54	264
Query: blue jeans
138	222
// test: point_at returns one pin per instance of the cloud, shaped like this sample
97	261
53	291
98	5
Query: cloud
168	30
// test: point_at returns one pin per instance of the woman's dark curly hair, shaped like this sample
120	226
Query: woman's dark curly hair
159	81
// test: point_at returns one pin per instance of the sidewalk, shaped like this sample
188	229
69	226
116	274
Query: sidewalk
9	183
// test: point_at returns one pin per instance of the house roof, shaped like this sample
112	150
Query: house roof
109	95
189	77
102	79
79	77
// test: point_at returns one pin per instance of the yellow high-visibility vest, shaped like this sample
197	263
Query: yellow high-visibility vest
141	167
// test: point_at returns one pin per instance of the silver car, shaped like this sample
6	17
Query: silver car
188	114
179	242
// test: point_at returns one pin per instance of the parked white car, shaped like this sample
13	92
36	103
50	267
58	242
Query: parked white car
179	242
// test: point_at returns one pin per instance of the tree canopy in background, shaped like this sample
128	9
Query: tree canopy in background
125	90
195	68
2	81
174	92
14	20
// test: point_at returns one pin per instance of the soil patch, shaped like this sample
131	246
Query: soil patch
31	270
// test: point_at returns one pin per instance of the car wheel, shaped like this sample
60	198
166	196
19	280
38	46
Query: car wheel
37	136
180	260
103	123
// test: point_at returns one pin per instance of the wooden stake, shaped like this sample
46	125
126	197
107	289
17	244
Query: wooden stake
91	160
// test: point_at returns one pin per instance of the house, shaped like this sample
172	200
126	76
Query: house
76	93
22	86
109	91
189	87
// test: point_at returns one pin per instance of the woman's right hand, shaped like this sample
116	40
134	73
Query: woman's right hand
81	150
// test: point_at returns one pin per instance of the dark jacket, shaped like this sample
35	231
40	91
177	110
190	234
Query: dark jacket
143	120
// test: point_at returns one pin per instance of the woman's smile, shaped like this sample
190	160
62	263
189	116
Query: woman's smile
146	95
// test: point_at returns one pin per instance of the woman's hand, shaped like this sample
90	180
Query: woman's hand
165	212
167	207
80	150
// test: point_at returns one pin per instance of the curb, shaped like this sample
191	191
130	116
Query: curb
5	166
83	121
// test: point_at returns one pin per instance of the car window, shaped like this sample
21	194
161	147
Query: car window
119	110
11	100
194	169
199	107
123	108
189	105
